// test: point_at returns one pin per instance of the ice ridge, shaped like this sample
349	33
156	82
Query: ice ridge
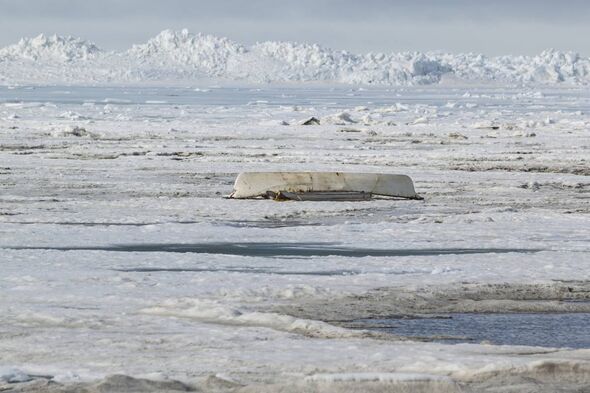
50	48
183	56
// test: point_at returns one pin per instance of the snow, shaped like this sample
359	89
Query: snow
204	53
54	48
88	169
183	57
212	312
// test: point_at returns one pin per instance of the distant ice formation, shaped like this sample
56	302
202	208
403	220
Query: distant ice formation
52	48
183	57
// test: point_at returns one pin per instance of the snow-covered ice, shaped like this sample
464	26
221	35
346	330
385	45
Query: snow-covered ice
100	186
181	57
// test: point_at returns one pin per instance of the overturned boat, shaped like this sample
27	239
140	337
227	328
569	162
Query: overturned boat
322	186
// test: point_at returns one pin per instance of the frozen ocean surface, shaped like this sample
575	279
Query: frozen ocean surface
326	97
114	231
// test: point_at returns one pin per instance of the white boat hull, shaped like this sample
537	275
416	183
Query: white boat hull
259	184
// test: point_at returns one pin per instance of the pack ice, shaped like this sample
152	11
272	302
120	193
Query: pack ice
183	57
124	269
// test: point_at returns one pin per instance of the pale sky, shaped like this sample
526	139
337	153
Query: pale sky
492	27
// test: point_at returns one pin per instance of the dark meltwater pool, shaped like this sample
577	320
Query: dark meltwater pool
548	330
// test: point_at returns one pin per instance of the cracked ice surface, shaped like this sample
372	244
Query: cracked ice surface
83	170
